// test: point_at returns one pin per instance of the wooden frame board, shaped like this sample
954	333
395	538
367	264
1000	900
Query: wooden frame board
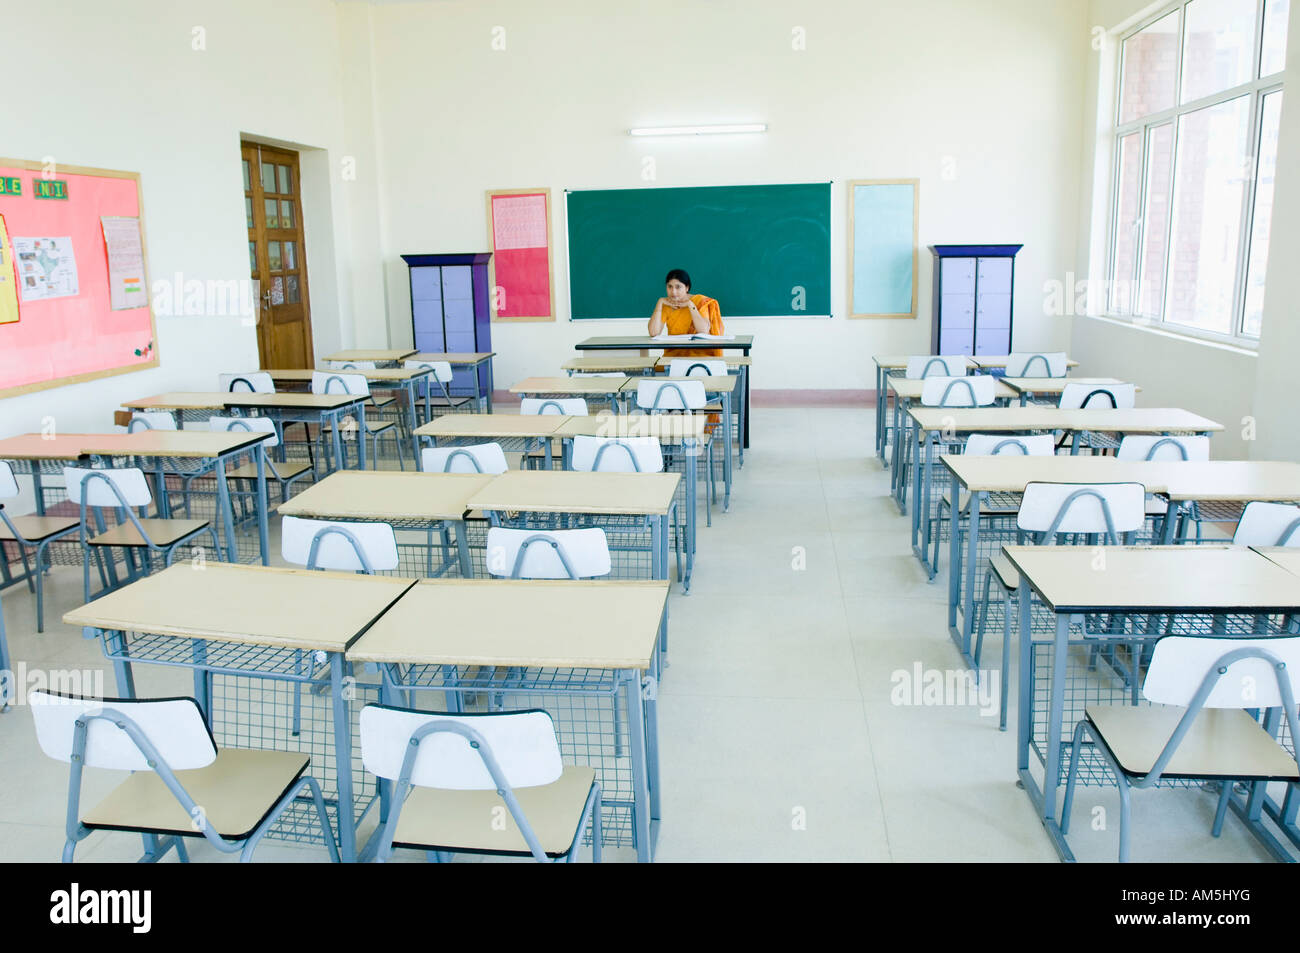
851	189
493	194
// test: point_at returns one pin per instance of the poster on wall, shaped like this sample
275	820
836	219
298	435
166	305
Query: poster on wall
8	278
47	268
125	250
883	226
519	222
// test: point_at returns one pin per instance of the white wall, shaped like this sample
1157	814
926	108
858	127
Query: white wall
121	87
883	89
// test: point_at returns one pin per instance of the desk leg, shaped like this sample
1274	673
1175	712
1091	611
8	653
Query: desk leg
362	435
491	385
160	477
1055	715
972	538
691	449
122	670
37	488
202	679
745	422
726	452
880	413
347	832
225	511
1172	513
954	558
336	424
262	539
636	724
462	550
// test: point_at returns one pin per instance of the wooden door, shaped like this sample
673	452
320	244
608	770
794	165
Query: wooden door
273	210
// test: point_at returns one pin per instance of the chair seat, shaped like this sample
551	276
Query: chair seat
380	401
1156	506
163	532
274	469
36	528
1222	743
440	401
1007	574
371	428
461	821
989	506
236	792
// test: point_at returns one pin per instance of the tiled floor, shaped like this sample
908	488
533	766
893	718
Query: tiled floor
779	740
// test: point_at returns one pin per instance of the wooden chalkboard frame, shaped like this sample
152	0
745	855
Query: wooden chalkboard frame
851	189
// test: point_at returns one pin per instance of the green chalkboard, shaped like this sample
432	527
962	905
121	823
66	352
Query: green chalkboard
759	249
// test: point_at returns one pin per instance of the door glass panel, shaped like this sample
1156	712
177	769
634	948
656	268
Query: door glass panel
1150	75
1218	46
286	180
1270	126
252	257
248	185
286	213
277	291
291	293
272	215
290	256
273	255
248	210
268	176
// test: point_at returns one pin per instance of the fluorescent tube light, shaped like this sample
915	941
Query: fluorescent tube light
698	130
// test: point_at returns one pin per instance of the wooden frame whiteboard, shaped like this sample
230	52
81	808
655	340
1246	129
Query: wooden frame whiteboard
860	233
85	274
493	194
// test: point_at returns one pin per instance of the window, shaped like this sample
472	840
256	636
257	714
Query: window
1196	130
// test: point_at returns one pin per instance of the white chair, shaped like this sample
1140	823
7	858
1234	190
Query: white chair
617	454
697	367
182	784
28	533
284	473
258	382
124	490
1201	724
952	365
151	420
487	783
547	554
326	382
351	365
659	395
573	406
1037	364
480	458
975	390
349	547
441	378
1091	396
1187	448
1268	524
1108	512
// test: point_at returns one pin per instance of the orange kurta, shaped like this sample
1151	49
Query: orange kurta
678	321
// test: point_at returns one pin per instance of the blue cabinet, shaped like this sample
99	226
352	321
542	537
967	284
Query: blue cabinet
973	291
449	311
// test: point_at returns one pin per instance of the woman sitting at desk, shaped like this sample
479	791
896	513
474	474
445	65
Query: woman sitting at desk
684	313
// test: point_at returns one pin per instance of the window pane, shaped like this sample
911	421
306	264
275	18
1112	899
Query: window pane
1150	76
286	180
1160	169
252	257
291	293
248	186
290	256
268	176
1127	224
286	213
1259	229
248	210
273	255
272	216
1209	188
1274	56
1218	46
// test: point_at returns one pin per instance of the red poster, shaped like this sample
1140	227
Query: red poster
521	260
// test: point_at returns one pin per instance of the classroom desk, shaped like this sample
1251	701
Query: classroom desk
513	431
606	389
954	421
1227	590
721	388
572	646
739	342
610	365
740	367
255	625
685	431
988	362
379	355
463	360
431	502
887	366
1230	481
1027	387
646	496
37	454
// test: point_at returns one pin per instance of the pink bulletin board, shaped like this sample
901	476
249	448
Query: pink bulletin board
519	225
64	340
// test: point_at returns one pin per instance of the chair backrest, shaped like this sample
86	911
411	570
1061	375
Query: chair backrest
259	382
441	369
367	547
1080	394
934	365
617	454
547	554
654	395
1149	447
1107	508
8	483
480	458
992	444
151	420
1036	364
252	424
1180	663
522	743
130	483
351	365
977	390
174	726
1268	524
575	406
335	382
697	367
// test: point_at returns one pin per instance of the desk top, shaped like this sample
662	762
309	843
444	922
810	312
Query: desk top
645	341
610	364
569	385
1096	420
1204	578
180	400
910	388
35	446
566	491
1010	472
492	425
219	400
1236	481
258	605
170	443
305	374
732	361
1000	360
528	623
458	357
388	495
897	362
370	354
667	427
712	385
1288	557
1055	385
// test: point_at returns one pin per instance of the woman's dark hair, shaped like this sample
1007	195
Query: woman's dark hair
678	274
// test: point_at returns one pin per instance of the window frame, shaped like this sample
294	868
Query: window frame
1257	88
